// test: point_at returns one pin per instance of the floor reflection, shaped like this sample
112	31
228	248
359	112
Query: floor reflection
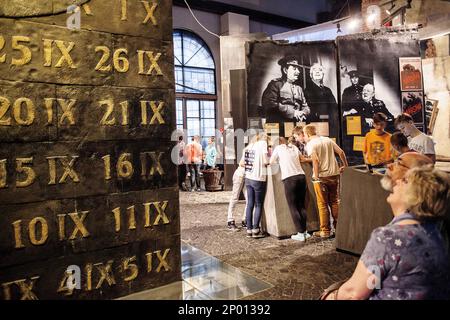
204	278
215	279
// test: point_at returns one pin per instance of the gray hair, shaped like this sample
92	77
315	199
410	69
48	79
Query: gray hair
316	66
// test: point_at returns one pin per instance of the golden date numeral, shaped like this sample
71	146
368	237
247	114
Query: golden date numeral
109	118
2	45
120	60
23	111
105	57
124	167
36	238
24	50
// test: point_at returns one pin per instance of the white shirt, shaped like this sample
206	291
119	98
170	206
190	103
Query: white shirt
256	160
288	157
422	144
323	147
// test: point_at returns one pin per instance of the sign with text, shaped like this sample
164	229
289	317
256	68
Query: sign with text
88	198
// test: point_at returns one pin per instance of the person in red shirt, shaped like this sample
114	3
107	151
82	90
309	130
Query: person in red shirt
194	153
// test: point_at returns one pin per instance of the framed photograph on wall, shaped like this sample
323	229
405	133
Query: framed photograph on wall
411	74
412	104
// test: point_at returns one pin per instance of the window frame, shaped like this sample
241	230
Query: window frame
183	66
184	97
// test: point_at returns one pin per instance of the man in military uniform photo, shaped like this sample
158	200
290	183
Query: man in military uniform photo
352	94
284	100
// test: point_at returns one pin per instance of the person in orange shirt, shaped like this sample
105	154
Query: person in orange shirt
377	143
194	153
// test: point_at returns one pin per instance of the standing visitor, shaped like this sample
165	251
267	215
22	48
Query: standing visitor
238	186
255	162
377	143
294	181
417	140
399	143
299	140
326	174
194	155
182	171
211	154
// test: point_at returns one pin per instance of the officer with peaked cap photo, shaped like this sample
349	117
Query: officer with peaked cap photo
283	99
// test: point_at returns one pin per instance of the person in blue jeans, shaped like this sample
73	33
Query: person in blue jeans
255	162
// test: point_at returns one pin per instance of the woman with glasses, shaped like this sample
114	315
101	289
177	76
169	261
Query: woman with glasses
407	259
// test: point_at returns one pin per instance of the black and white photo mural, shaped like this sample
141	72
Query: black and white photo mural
293	83
370	83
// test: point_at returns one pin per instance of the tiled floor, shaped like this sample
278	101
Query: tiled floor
221	264
295	270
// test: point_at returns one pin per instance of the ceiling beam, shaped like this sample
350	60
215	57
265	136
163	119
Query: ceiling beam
254	15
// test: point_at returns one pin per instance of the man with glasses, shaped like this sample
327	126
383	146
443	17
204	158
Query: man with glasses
397	170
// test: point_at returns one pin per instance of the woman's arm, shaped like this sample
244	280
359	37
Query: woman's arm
341	154
305	159
274	157
358	287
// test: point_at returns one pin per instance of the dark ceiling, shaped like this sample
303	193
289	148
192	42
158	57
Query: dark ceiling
338	8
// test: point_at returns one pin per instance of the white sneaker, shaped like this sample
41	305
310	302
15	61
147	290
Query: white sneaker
307	235
299	237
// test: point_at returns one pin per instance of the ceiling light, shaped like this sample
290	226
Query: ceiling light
354	23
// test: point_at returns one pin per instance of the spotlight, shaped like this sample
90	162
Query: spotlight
353	23
372	17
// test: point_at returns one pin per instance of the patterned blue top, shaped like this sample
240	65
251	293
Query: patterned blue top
412	261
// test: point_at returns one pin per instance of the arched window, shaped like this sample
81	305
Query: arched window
195	80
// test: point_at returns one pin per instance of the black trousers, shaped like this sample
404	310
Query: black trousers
295	190
182	171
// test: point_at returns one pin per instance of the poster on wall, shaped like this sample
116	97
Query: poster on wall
291	83
412	104
369	82
435	47
411	73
